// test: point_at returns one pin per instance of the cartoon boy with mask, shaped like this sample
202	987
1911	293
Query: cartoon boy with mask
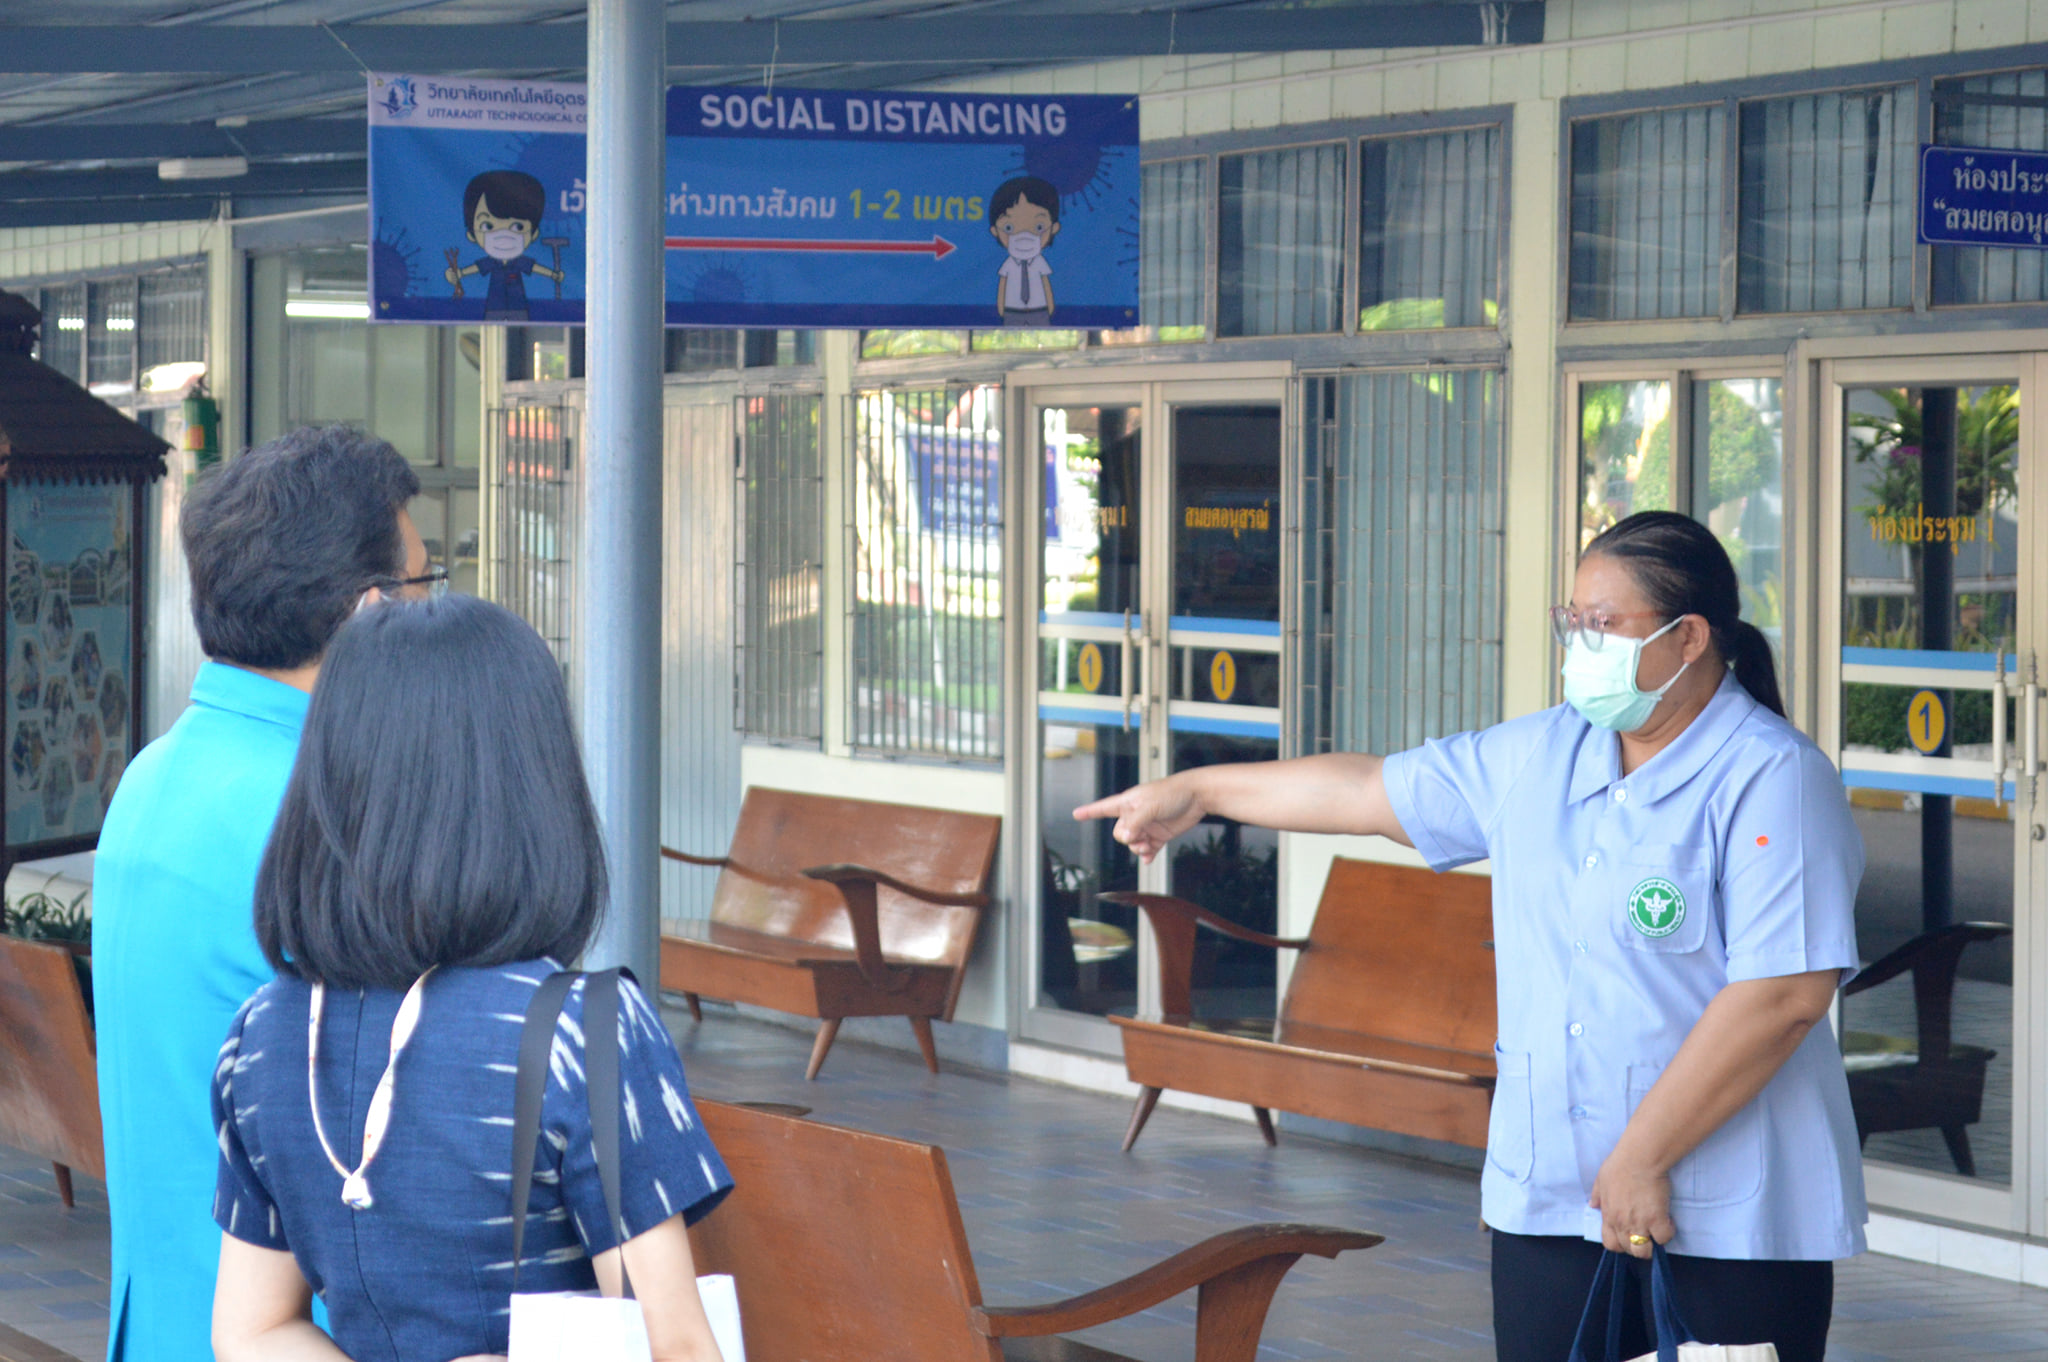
503	209
1024	217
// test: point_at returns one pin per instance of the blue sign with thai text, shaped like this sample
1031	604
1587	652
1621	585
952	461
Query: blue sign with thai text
1977	196
784	207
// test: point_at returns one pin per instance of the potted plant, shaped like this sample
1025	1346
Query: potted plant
40	915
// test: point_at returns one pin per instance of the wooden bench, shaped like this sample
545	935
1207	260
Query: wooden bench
849	1247
1930	1081
49	1083
835	908
1388	1020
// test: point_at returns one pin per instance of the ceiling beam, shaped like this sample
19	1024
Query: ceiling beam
82	188
155	141
938	40
104	213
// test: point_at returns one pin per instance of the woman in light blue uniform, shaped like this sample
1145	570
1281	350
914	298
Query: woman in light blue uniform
1675	875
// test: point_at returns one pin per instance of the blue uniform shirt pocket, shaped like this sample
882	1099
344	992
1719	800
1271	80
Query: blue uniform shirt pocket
1663	899
1725	1168
1511	1127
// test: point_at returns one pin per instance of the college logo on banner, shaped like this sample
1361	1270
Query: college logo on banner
784	208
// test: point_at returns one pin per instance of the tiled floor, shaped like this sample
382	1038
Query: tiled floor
1052	1208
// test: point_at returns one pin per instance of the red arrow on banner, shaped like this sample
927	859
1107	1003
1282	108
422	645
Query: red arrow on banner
938	247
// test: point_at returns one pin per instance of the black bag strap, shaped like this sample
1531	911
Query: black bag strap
601	1086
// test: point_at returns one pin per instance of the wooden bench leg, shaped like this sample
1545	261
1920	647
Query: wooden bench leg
1265	1119
63	1184
923	1027
1148	1098
1958	1138
696	1008
828	1031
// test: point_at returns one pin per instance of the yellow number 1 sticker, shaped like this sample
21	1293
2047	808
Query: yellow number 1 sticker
1926	722
1089	667
1223	677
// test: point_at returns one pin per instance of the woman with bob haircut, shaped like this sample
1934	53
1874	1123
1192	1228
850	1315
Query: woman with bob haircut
436	857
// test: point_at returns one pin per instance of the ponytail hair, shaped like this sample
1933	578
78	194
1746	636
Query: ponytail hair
1681	568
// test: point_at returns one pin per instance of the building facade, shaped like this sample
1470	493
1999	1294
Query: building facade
1417	325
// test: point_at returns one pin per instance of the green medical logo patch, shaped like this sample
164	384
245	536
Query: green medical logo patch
1656	907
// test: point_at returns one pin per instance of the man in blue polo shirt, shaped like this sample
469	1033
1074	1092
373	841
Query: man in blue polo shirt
284	544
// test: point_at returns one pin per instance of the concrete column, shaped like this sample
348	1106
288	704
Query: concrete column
618	595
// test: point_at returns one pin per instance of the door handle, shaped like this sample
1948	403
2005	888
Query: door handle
2030	724
1125	647
2000	696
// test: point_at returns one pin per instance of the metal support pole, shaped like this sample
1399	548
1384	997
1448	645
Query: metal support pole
618	594
1937	634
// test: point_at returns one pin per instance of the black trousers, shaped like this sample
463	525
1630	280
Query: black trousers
1540	1283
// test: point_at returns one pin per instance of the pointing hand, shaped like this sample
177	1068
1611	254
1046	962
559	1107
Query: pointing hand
1148	816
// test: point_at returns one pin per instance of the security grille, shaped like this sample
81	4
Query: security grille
779	580
171	327
1646	214
925	534
1401	569
534	484
1827	201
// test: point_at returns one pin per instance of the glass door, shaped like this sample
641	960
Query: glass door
1158	649
1934	714
1223	683
1094	706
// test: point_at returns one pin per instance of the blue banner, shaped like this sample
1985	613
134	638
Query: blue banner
784	208
1977	196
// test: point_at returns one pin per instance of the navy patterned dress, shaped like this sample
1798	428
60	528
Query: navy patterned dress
424	1274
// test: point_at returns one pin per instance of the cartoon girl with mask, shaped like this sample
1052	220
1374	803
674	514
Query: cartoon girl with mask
1024	217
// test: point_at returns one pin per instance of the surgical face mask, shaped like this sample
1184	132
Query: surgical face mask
1024	245
504	245
1601	683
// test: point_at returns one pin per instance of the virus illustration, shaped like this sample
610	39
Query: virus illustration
391	265
720	280
1081	172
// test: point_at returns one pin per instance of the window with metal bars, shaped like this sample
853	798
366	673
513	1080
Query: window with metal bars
1401	569
1280	241
1826	201
925	535
110	335
1429	230
534	490
171	325
2007	110
779	580
1174	233
1646	196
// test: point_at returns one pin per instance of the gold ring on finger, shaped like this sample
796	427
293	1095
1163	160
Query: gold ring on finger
1639	1239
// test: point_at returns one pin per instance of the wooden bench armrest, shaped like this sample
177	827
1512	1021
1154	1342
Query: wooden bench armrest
843	875
1174	921
1238	1271
856	885
1158	905
687	859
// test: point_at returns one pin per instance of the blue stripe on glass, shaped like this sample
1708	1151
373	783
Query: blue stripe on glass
1197	625
1064	714
1100	619
1233	728
1919	784
1924	658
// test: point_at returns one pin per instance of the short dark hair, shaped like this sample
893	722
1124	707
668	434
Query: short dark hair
437	813
1023	189
1682	569
283	540
511	194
